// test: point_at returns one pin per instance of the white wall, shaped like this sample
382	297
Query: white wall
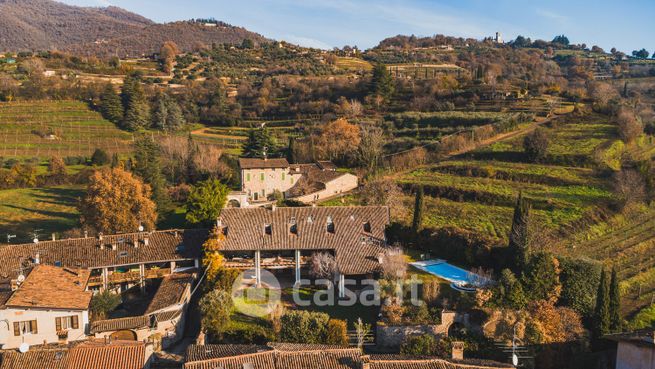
345	183
280	179
46	326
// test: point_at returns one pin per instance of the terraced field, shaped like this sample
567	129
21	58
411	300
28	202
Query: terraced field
626	242
477	191
62	128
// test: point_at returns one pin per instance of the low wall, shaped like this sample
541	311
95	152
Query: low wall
392	336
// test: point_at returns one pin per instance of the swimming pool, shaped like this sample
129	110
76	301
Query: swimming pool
458	276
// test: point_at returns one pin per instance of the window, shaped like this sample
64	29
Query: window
66	322
283	177
261	177
122	254
248	177
57	263
268	229
293	226
367	227
330	225
26	327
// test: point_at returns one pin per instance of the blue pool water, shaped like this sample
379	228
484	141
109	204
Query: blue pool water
444	270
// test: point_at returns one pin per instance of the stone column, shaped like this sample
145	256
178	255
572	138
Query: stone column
342	286
172	267
297	259
105	278
142	276
258	272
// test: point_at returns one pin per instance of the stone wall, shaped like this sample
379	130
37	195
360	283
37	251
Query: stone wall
392	336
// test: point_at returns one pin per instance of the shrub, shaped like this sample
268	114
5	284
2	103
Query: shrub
304	327
100	157
337	332
579	278
535	145
102	303
426	344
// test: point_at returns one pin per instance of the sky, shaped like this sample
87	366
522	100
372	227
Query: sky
624	24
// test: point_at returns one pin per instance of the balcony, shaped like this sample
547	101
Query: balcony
157	273
131	276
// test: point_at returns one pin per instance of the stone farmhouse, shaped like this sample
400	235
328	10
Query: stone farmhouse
307	183
635	350
282	239
308	356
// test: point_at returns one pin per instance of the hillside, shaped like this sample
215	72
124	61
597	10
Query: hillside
31	25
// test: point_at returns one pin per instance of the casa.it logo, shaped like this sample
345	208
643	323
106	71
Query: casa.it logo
254	299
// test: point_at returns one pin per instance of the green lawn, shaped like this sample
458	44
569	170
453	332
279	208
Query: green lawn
50	210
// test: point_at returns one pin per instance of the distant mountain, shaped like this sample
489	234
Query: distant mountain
32	25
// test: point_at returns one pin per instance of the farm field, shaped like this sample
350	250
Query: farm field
62	128
49	210
353	64
477	191
626	242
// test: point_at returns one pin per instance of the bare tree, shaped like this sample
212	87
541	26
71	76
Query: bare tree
630	127
629	187
394	263
369	152
362	330
323	265
384	192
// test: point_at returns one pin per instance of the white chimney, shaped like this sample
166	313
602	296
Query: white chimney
53	237
37	259
145	241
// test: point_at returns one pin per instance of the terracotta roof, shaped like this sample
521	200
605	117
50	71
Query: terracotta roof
34	359
356	249
132	322
411	362
52	287
97	354
170	292
256	163
93	253
4	296
208	352
274	356
642	337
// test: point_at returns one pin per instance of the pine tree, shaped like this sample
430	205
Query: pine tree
614	303
602	311
382	82
137	111
259	142
519	246
148	166
110	105
166	113
419	208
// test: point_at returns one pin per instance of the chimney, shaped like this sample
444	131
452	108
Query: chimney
100	236
458	350
54	238
273	207
366	362
145	241
114	246
86	233
37	259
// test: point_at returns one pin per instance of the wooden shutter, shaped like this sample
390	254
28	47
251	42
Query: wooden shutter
75	322
35	330
58	324
16	329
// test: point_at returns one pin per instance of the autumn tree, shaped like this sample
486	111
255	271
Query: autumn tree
9	88
110	105
519	247
206	200
116	201
167	55
551	324
629	187
56	167
212	258
338	139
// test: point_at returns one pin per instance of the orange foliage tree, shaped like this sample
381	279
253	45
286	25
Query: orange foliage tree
116	201
338	139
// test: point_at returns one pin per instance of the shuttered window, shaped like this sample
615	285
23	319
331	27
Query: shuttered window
67	322
25	327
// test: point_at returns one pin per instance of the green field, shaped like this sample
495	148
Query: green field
477	191
49	210
62	128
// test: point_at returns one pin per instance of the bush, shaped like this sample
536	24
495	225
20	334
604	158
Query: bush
100	157
424	345
248	334
304	327
579	278
337	332
103	303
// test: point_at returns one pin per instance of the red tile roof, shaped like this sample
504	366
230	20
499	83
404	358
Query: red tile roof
256	163
97	354
356	249
54	288
170	292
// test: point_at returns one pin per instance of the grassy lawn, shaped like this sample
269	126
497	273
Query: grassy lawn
50	210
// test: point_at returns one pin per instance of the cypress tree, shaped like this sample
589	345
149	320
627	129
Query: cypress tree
602	311
192	152
419	207
110	105
291	151
519	247
614	303
137	111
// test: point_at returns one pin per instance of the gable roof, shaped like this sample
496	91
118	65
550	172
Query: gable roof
34	359
96	354
256	163
52	287
410	362
87	252
132	322
170	292
356	249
